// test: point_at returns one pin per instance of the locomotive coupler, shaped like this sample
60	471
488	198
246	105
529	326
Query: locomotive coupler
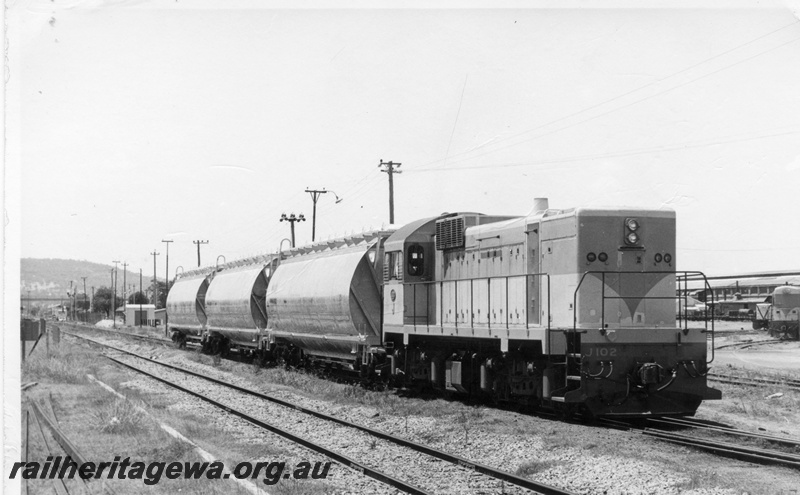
649	373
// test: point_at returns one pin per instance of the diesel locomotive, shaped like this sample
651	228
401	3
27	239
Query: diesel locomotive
782	316
569	309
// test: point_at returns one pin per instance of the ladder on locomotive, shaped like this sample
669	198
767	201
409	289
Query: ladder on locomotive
571	365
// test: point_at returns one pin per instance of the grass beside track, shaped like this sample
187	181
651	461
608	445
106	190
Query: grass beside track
104	426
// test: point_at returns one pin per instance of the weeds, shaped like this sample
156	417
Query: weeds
467	419
534	467
119	417
701	479
59	367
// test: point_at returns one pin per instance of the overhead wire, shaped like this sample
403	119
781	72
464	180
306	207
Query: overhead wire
622	107
368	181
610	100
734	138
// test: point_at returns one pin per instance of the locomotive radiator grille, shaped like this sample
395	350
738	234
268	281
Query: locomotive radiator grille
450	233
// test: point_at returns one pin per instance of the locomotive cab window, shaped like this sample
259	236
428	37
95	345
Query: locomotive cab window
416	260
393	265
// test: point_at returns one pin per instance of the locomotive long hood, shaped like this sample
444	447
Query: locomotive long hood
329	294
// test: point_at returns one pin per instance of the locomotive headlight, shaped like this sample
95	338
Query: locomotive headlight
591	257
632	224
632	238
603	257
658	257
668	258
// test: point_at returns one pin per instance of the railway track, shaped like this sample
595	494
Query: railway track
753	382
495	478
673	430
745	345
662	429
146	338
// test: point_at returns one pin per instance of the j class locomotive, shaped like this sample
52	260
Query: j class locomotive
570	309
780	314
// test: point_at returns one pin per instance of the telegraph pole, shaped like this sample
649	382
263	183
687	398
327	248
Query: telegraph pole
391	170
166	281
155	280
114	297
91	306
199	242
140	297
124	286
315	194
85	310
292	219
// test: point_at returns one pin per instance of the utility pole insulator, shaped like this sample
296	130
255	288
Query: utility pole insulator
391	169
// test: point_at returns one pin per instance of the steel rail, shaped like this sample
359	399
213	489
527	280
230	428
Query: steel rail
123	334
59	435
745	345
789	442
59	485
445	456
752	382
749	454
366	470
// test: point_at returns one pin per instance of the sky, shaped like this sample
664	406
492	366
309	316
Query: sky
131	122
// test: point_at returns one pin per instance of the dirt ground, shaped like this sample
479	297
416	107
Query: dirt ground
749	407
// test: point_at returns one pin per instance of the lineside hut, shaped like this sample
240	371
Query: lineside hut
139	314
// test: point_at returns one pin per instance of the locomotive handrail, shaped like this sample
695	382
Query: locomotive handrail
441	283
681	298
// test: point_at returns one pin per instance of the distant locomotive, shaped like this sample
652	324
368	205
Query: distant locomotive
565	309
782	316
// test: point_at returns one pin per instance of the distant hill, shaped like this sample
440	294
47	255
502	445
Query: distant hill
51	277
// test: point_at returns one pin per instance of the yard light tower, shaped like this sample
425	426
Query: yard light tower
292	219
